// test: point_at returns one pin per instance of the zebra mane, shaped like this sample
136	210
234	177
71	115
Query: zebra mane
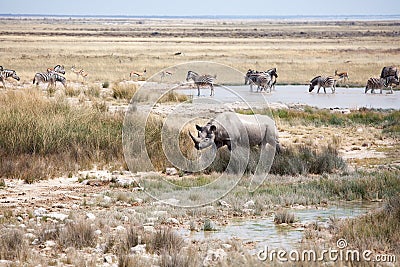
315	78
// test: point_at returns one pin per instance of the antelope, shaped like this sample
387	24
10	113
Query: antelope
342	75
137	74
79	72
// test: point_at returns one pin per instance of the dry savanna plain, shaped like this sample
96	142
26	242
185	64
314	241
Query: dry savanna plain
67	197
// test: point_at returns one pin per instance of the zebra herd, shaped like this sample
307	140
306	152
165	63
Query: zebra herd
265	80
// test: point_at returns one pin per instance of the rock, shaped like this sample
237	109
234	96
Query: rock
171	171
224	204
249	204
248	211
107	199
57	216
19	218
97	232
172	221
226	246
39	212
90	216
139	249
110	259
50	243
120	228
35	241
214	257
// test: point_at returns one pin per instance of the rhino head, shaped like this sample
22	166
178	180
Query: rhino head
206	136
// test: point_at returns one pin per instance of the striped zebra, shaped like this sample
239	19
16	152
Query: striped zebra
44	77
57	68
263	81
79	72
390	71
324	82
201	80
274	75
380	83
5	73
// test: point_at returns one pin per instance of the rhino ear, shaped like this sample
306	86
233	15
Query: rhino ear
213	128
198	127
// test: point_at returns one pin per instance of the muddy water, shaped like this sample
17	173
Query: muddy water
352	98
264	232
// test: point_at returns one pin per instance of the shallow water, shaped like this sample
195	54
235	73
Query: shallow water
264	232
352	98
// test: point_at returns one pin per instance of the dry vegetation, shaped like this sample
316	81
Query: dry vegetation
61	133
109	49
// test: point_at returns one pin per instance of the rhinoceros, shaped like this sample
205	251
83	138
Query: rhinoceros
238	131
232	129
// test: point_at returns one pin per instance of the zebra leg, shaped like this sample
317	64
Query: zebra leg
198	90
319	87
212	90
4	84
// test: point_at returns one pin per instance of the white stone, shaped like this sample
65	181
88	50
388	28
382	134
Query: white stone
39	212
172	220
97	232
90	216
249	204
171	171
57	216
50	243
120	228
139	249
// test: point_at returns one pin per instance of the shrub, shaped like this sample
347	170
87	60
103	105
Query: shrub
284	216
78	234
124	91
12	245
165	240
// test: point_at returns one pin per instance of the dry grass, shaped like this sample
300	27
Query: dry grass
42	137
300	50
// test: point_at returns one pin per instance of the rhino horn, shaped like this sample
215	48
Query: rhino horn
195	139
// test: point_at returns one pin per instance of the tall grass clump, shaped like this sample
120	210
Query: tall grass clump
284	216
124	91
13	245
173	97
377	231
51	135
78	234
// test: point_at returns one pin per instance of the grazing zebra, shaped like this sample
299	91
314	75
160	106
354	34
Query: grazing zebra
4	74
44	77
57	68
380	83
323	82
59	78
263	81
79	72
201	80
136	74
390	71
342	75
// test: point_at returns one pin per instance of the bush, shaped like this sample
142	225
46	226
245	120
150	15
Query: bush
284	216
77	234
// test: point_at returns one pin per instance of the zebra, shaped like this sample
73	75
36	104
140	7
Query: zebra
201	80
263	81
57	68
324	82
59	78
380	83
390	71
274	75
44	77
5	73
79	72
